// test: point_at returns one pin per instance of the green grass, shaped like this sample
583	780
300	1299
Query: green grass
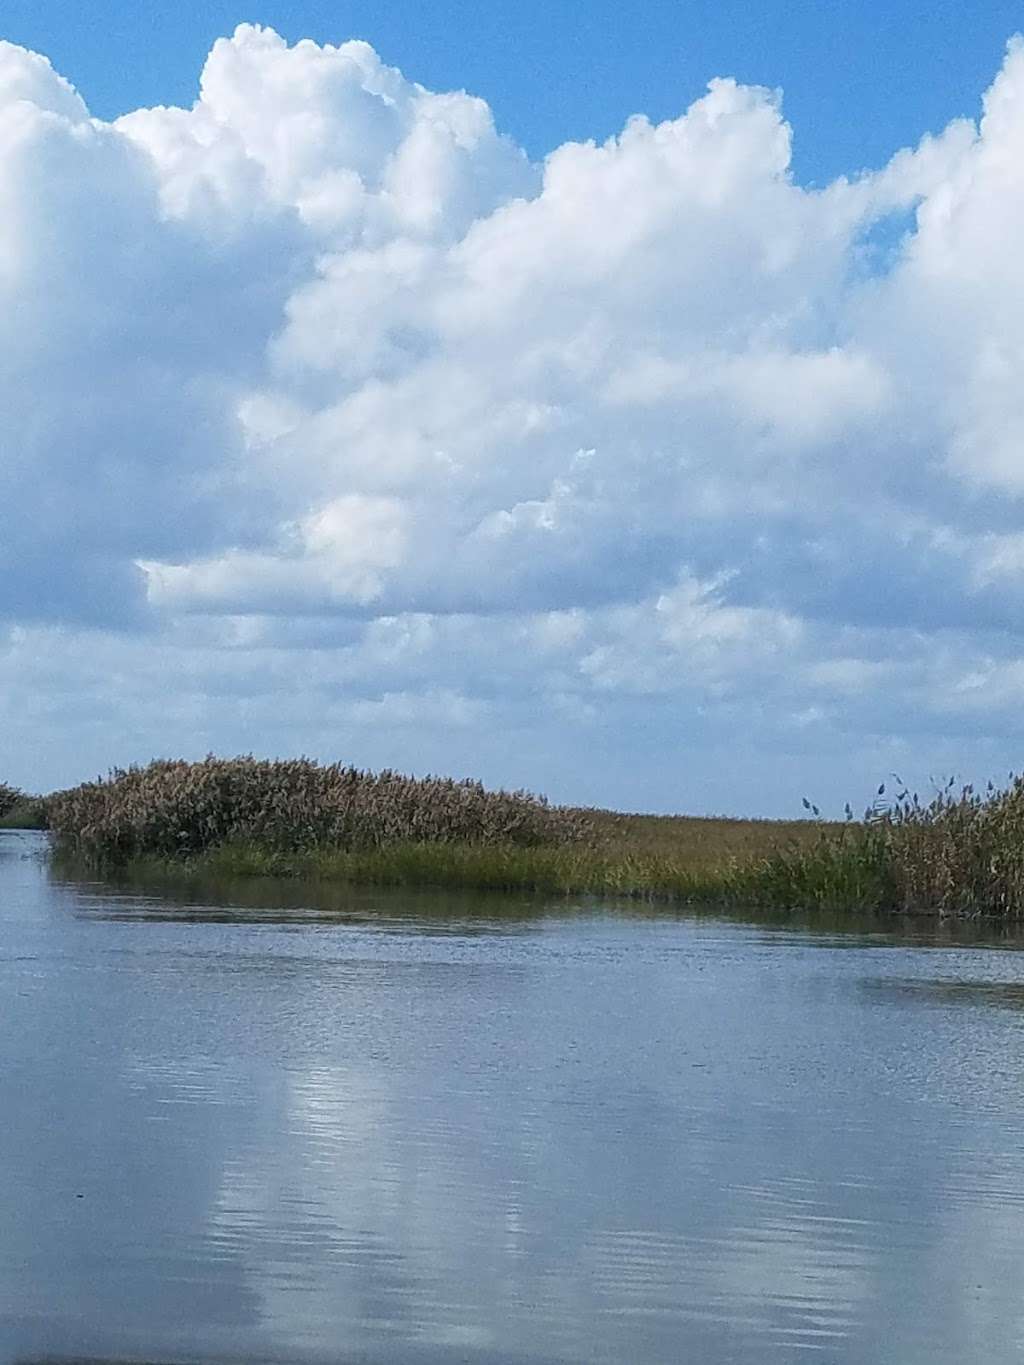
960	855
697	841
249	818
27	812
811	866
649	858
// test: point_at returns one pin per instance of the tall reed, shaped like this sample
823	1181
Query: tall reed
962	853
179	809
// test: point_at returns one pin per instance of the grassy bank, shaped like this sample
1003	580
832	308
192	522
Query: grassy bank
19	811
824	868
712	862
959	855
243	817
599	869
28	812
182	810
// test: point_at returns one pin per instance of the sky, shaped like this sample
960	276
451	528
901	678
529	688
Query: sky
860	80
621	404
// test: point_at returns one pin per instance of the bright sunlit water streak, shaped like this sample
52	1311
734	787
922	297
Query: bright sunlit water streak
292	1124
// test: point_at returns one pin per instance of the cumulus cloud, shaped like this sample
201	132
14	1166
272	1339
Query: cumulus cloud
322	378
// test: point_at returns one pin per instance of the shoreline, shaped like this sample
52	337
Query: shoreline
827	875
752	890
831	878
961	855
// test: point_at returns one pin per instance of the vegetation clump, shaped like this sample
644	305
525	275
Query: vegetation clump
172	808
962	853
27	812
9	798
959	855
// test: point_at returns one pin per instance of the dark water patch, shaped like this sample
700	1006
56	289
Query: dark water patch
944	992
291	901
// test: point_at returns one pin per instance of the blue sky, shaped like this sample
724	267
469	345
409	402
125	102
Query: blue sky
861	79
670	462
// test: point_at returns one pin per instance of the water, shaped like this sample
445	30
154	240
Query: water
364	1127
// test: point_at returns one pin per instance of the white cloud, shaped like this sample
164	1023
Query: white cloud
27	79
329	134
333	558
321	379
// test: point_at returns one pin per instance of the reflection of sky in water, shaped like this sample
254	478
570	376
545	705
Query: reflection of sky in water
582	1137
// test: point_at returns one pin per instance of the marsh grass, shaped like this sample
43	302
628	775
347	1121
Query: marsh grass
619	866
699	841
962	853
540	870
249	818
184	810
9	798
26	812
959	855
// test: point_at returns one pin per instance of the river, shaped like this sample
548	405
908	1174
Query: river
288	1125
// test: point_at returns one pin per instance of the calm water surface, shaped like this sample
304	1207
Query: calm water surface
376	1128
